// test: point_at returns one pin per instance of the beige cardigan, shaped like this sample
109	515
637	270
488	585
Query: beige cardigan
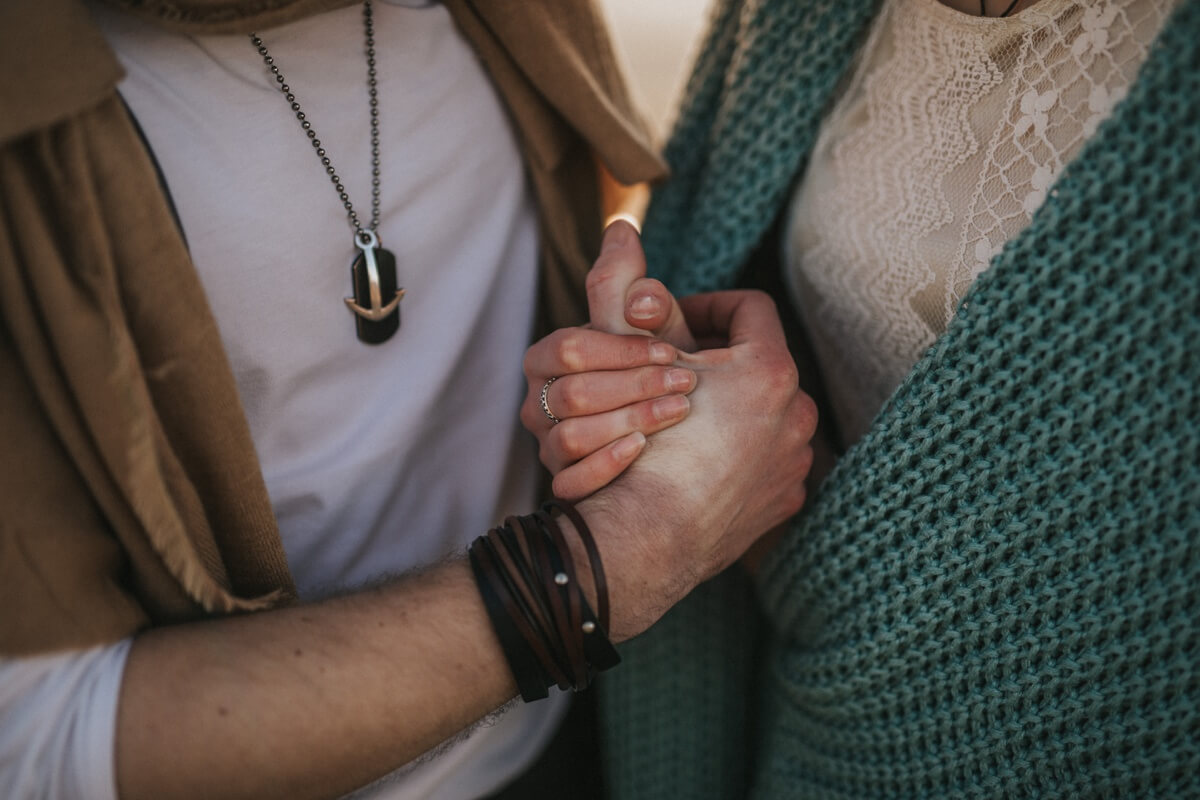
130	493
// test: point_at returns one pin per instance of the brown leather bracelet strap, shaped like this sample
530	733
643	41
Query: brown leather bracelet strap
514	604
572	625
533	625
593	554
531	590
521	660
597	648
513	537
544	560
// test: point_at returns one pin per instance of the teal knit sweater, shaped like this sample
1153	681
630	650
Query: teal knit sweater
997	591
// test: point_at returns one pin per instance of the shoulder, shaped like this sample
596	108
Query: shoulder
54	63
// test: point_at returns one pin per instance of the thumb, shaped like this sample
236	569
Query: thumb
732	318
650	307
620	263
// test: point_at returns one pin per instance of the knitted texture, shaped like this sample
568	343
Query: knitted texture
675	716
702	654
730	134
995	592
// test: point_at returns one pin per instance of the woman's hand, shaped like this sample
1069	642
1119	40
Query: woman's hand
613	383
609	392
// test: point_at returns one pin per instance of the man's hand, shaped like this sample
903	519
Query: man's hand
727	462
704	490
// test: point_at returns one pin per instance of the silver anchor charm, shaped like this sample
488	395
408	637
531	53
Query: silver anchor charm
373	274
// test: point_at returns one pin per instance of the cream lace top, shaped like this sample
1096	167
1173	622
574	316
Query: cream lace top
946	139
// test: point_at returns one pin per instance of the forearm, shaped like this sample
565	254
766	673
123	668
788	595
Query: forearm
317	700
310	701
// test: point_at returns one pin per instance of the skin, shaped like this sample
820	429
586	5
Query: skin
607	413
606	397
317	700
606	394
612	387
314	701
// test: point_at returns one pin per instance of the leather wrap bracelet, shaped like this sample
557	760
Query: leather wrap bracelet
546	627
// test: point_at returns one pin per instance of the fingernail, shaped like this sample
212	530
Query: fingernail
645	307
661	353
680	380
615	236
629	446
670	407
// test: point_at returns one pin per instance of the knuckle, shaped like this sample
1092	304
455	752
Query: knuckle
787	370
610	462
562	486
781	379
791	437
641	417
806	409
803	433
569	351
805	462
527	363
796	497
552	441
651	382
544	349
566	440
526	415
794	439
757	297
571	398
602	273
596	275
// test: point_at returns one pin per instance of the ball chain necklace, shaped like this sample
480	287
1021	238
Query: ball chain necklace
373	271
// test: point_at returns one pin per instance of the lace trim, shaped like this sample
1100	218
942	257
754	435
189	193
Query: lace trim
947	139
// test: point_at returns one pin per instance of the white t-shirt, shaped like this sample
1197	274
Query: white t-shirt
377	458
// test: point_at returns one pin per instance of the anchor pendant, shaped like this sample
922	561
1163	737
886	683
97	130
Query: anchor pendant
374	277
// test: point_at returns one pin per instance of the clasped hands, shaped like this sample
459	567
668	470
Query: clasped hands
690	442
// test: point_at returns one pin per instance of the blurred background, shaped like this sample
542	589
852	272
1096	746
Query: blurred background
657	41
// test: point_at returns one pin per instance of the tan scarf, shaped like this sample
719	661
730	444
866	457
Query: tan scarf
199	17
130	489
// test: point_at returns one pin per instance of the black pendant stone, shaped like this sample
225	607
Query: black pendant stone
375	331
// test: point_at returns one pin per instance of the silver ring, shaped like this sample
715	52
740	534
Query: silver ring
546	405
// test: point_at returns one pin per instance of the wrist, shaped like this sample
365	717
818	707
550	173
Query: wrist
535	589
643	580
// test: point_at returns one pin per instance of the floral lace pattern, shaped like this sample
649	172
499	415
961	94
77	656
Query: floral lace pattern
946	140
